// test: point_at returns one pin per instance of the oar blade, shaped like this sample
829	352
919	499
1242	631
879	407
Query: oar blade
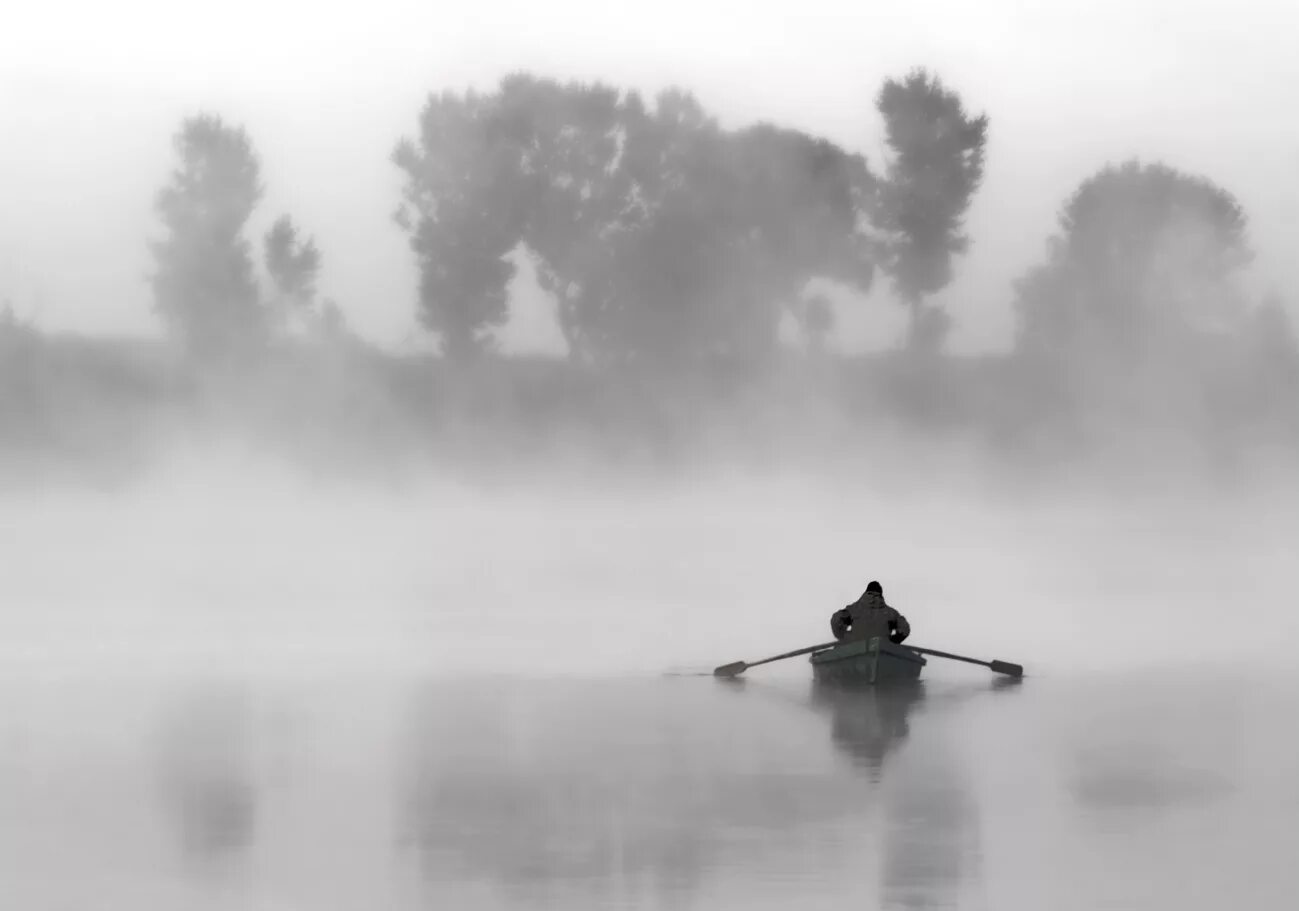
734	669
1006	667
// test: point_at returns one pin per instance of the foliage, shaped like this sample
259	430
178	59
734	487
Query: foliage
1146	257
462	205
937	157
293	265
663	237
817	319
203	285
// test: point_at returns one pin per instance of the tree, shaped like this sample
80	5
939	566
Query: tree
664	238
1146	257
463	204
619	216
817	319
937	151
293	265
673	290
331	324
582	196
1272	363
804	208
204	289
715	233
1273	341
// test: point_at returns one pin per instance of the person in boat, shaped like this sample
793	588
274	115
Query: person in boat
870	616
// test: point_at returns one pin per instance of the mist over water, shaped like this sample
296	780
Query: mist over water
246	562
361	558
231	682
503	792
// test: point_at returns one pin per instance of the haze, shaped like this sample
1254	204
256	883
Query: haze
225	565
405	407
364	496
90	95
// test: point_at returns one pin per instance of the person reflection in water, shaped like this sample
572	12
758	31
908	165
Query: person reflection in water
868	726
928	817
870	616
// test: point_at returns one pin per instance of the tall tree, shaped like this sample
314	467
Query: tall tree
816	318
581	195
1146	256
1275	346
700	237
293	264
670	300
463	206
937	156
203	285
662	236
805	209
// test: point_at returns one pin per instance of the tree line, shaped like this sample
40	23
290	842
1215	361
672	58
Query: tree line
663	237
668	240
674	249
204	284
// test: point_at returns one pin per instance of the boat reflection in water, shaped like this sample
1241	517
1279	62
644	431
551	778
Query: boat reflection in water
573	794
928	841
868	723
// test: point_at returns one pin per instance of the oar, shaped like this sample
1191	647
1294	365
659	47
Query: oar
1000	667
735	668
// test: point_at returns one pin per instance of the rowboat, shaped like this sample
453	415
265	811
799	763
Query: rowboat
868	662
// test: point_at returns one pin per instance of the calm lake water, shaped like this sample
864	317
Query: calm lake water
1168	789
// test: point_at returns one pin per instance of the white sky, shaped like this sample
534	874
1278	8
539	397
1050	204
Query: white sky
90	94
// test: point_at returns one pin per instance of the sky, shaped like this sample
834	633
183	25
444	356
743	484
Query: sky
90	94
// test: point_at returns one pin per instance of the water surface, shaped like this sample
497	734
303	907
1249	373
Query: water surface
1161	789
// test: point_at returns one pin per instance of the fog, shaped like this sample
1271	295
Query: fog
237	562
87	112
403	410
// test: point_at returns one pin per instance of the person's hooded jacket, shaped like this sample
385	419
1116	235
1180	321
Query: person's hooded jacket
869	616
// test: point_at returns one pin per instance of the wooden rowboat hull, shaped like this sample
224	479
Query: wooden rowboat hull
866	662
